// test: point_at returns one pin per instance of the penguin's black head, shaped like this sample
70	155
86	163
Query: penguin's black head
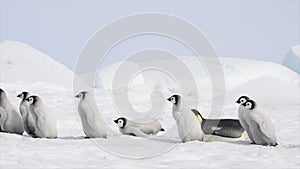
174	99
1	92
33	99
242	99
121	122
23	95
249	104
81	95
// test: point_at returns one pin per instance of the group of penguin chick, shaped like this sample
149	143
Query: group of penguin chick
39	122
254	122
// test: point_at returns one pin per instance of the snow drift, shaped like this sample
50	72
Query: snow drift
22	63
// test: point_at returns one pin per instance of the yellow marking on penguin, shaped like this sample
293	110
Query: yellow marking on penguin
199	118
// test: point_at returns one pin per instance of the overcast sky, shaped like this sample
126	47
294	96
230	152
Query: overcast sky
262	30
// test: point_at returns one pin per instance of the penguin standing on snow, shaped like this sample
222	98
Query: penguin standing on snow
242	114
10	119
92	122
189	128
45	122
260	126
128	127
229	128
28	121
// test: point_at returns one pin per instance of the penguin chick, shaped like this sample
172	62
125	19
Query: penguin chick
128	127
230	128
28	121
261	126
45	122
10	119
188	127
243	115
92	121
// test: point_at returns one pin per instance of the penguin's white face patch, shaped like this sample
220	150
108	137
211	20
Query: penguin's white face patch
21	96
31	100
120	123
242	100
173	100
248	105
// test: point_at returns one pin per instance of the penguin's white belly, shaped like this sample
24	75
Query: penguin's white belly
262	129
243	118
188	127
89	130
195	132
180	121
13	122
210	138
29	124
92	130
45	124
150	128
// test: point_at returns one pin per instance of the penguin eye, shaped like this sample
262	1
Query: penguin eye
248	104
173	100
31	100
243	100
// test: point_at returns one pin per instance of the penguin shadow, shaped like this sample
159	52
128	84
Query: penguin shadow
290	146
240	142
165	139
150	137
249	143
72	138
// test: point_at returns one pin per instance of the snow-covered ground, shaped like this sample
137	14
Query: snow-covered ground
274	86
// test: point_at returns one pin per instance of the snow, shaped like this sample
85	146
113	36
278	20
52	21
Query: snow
274	86
237	71
292	59
30	65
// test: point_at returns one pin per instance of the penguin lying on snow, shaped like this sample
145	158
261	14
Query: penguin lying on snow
231	128
139	129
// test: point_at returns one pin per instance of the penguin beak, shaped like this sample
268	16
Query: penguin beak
27	99
116	121
237	102
77	96
169	99
19	96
